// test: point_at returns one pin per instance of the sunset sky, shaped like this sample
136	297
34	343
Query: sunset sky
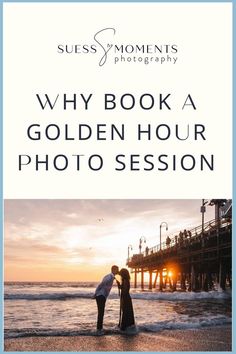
78	240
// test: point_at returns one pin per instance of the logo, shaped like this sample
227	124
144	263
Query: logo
106	47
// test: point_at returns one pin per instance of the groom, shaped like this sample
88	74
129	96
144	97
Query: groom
101	294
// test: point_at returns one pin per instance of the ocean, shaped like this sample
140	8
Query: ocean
66	309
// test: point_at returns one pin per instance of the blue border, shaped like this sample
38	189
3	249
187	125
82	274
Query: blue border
234	171
128	1
1	150
1	181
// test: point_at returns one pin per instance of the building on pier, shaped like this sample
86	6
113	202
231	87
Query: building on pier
194	259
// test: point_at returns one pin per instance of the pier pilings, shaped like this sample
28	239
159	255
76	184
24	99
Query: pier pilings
193	265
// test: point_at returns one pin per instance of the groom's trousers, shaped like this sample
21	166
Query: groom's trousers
101	300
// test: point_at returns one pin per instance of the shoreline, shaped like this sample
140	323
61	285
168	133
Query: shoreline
205	339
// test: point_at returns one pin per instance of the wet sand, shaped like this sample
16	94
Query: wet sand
207	339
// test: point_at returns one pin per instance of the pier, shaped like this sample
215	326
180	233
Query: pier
193	259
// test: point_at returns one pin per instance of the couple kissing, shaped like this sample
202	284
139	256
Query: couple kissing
126	318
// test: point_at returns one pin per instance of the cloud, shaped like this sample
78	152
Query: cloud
89	232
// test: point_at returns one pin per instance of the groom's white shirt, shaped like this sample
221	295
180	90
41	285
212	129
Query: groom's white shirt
105	286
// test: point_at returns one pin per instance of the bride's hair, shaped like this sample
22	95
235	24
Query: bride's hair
124	273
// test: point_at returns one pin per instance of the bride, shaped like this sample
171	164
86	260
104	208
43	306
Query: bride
127	322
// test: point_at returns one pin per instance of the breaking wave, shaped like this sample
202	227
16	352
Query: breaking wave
142	328
167	296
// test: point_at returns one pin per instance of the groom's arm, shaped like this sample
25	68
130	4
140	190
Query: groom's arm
118	283
106	281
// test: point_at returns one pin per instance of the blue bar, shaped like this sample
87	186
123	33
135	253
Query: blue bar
119	1
1	182
234	171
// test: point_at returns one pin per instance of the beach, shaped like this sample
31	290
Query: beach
62	317
207	339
